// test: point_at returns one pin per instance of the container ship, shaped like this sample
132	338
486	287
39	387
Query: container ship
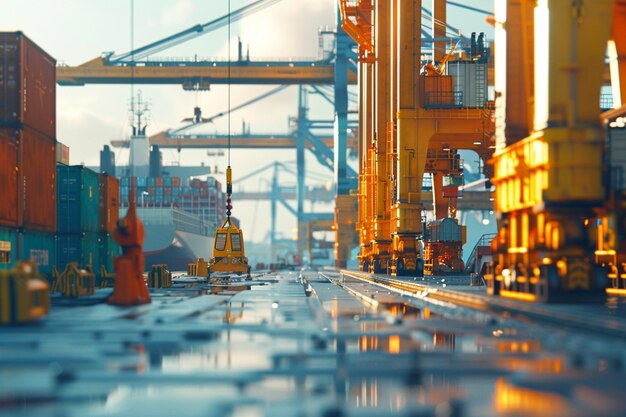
179	212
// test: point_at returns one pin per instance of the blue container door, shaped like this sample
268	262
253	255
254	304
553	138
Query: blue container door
109	249
90	251
83	249
90	201
68	250
68	198
40	247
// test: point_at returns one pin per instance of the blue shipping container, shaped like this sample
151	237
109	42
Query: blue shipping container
124	182
109	249
77	199
150	181
39	247
167	181
8	248
141	182
81	248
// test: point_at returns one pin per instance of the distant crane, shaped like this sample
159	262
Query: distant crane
337	68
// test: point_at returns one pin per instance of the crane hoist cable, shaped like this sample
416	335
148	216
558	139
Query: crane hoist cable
228	250
229	173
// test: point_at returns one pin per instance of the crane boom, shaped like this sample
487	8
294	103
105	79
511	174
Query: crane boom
190	33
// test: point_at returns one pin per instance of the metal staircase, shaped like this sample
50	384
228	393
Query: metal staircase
480	255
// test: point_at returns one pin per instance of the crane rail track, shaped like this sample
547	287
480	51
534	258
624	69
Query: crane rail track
590	319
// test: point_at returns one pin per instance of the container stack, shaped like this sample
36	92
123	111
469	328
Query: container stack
205	199
77	217
28	152
87	209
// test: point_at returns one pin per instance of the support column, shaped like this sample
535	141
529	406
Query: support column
275	197
345	204
392	132
440	204
439	29
412	141
381	246
300	162
341	112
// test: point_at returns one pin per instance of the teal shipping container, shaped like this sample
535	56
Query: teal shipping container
109	249
77	199
39	247
8	248
81	248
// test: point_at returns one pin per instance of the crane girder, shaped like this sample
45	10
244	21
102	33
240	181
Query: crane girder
221	141
201	74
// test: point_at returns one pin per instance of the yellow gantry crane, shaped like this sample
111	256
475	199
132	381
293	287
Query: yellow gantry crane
558	203
409	124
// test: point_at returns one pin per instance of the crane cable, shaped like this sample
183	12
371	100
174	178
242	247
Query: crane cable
229	83
229	173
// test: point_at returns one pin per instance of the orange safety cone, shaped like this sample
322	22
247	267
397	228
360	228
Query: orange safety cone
130	287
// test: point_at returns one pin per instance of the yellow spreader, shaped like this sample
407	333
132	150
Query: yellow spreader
228	249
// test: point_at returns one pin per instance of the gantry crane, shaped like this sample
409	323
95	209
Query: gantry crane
559	227
410	124
138	66
336	68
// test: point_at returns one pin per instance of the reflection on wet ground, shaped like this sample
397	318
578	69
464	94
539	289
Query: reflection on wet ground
303	345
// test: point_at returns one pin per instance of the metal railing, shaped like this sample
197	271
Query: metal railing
485	240
443	99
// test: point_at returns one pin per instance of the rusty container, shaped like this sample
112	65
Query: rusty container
109	202
36	179
10	215
27	85
438	92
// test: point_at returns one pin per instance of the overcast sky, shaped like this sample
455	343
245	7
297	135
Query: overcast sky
75	31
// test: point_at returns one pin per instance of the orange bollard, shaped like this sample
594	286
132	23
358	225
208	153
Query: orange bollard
130	287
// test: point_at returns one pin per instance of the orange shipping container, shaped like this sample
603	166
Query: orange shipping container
109	202
10	216
438	91
36	178
27	85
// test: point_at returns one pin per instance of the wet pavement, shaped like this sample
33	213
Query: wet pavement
310	344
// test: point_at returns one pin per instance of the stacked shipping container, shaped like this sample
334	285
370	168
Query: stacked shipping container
27	152
88	206
32	192
77	222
